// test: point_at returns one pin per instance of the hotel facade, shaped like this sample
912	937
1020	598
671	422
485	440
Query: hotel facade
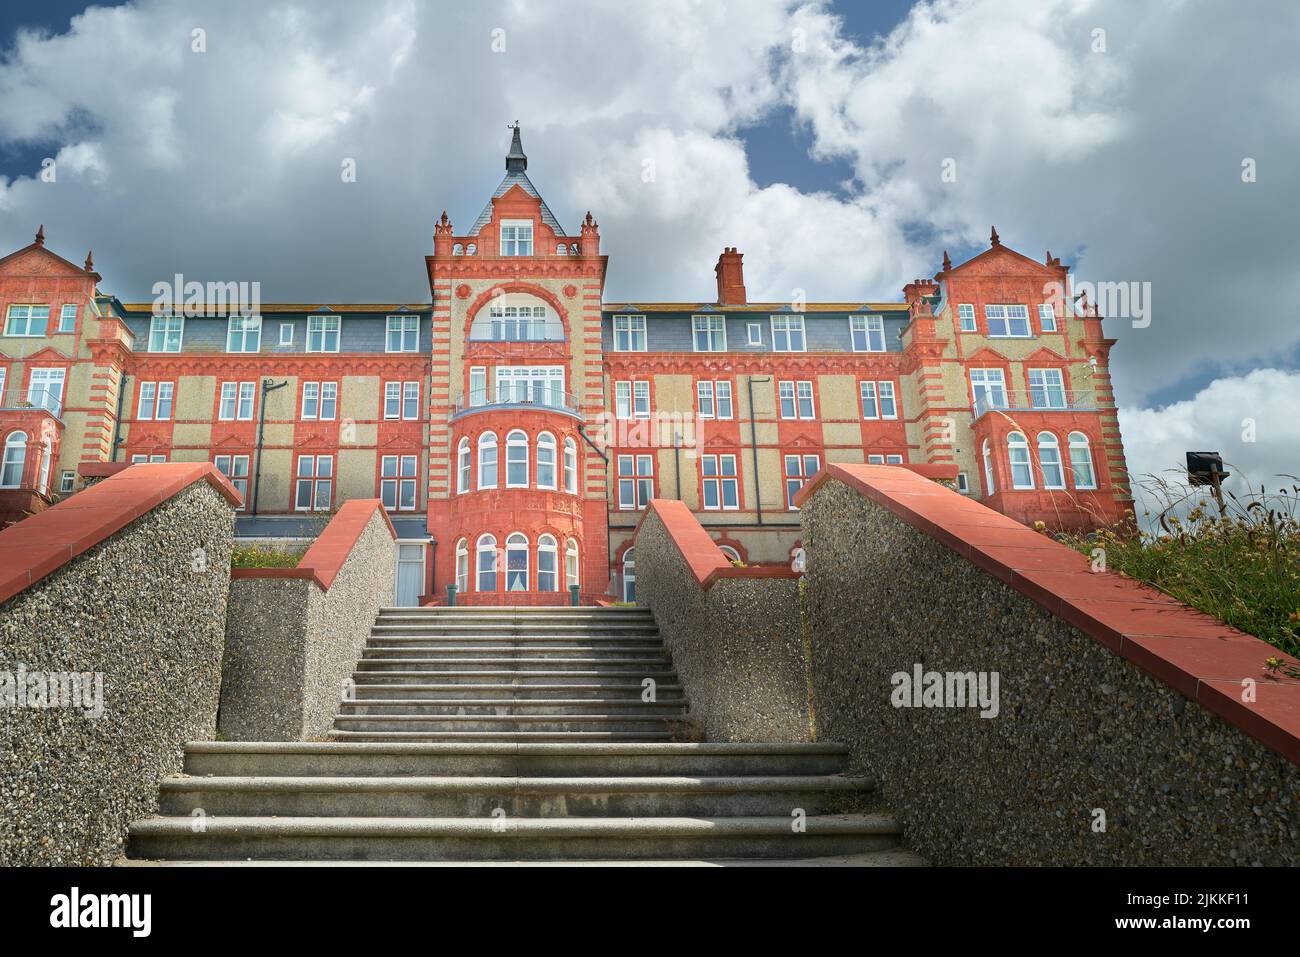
516	423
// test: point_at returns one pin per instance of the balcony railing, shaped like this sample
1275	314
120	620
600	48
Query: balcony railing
516	397
1035	400
36	397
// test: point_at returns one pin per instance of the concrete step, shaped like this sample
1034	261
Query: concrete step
386	626
488	673
565	759
619	691
512	706
520	613
437	724
898	857
507	838
505	737
512	651
520	662
542	797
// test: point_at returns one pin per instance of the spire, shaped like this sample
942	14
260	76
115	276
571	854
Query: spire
90	261
947	263
40	235
994	239
516	161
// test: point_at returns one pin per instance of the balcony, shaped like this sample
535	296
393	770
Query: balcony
36	398
1035	400
536	399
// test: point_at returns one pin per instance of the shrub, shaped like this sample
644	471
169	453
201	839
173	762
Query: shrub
265	556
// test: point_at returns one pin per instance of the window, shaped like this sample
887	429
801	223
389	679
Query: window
714	399
462	466
547	556
402	400
67	481
397	474
487	460
867	333
709	333
721	488
27	320
570	564
323	333
1007	321
462	566
235	468
966	317
516	460
516	237
45	389
526	385
392	400
68	317
516	323
963	483
2	387
141	458
286	333
875	460
1022	475
730	554
635	481
478	390
888	407
629	575
989	388
165	333
1049	461
403	334
1046	317
987	454
1046	389
571	466
545	460
798	470
754	334
485	563
320	400
315	484
517	562
796	399
787	334
244	334
410	400
629	334
878	401
237	401
1081	461
155	401
870	406
13	460
893	460
632	400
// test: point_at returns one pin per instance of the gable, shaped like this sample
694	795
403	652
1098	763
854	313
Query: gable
35	260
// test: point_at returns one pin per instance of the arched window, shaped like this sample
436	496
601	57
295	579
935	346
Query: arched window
486	558
517	562
462	466
15	457
571	466
731	553
547	555
989	486
1022	474
462	566
1081	461
517	459
561	249
570	563
487	460
43	483
629	575
471	249
1049	460
545	461
517	317
458	249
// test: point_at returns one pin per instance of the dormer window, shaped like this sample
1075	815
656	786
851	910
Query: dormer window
517	237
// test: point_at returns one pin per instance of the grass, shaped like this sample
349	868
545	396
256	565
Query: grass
265	556
1236	558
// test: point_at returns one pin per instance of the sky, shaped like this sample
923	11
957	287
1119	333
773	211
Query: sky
842	147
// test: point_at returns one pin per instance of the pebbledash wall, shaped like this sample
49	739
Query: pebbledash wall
527	421
294	635
127	580
1122	734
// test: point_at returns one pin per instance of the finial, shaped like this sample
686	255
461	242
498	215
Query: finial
90	261
993	237
516	161
588	221
947	263
40	235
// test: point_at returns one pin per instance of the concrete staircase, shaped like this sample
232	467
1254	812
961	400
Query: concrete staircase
516	734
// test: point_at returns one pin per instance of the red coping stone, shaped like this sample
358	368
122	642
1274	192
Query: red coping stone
707	562
1195	654
44	542
325	557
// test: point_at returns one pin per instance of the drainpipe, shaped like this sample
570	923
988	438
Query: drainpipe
267	388
677	462
117	418
609	532
753	446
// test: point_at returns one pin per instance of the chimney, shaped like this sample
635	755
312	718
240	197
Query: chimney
731	278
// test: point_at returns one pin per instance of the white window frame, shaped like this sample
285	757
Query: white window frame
321	484
1046	317
517	442
571	466
517	544
1050	465
548	546
546	458
572	564
411	401
321	329
1005	318
487	442
486	547
753	334
966	317
1051	385
464	466
230	467
243	327
161	332
1081	449
11	329
633	331
286	340
713	328
795	480
992	381
515	242
462	566
869	328
714	475
400	474
67	482
986	453
635	476
407	326
887	395
790	326
1020	460
64	315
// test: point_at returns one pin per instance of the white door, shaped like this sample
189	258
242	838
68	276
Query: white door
410	575
45	389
